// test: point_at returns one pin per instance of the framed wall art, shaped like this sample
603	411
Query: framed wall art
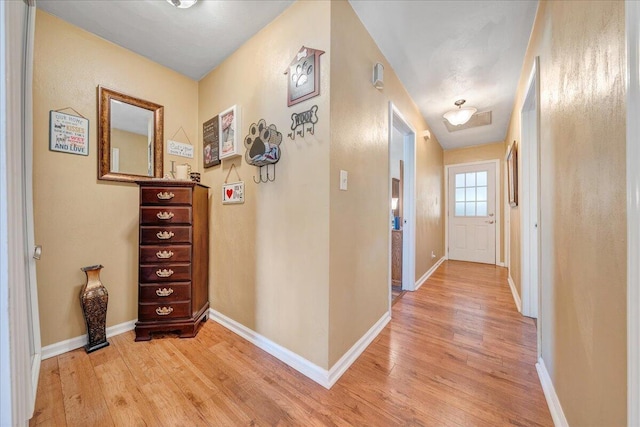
512	174
228	129
211	143
303	76
68	133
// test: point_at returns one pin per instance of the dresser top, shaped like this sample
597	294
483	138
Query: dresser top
157	182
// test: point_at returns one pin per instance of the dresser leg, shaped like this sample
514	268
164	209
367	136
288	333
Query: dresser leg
143	334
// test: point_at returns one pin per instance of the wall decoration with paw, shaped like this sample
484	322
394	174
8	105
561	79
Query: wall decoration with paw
263	149
262	144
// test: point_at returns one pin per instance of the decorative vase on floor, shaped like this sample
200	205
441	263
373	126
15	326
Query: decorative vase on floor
94	298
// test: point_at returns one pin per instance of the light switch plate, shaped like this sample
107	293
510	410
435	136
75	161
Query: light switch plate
344	178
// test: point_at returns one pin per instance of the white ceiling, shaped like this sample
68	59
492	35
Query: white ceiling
441	50
448	50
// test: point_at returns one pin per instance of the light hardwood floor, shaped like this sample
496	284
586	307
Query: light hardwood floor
457	352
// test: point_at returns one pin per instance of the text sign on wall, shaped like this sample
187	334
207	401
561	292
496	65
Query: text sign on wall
179	149
69	134
233	193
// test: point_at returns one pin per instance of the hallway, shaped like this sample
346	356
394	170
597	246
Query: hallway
455	353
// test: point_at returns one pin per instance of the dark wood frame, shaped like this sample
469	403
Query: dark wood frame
512	174
104	135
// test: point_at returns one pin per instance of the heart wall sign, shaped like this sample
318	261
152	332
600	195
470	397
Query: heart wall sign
233	193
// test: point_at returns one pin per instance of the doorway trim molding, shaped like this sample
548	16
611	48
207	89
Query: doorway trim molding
632	16
530	203
498	204
409	202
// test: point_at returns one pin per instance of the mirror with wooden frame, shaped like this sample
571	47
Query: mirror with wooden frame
130	137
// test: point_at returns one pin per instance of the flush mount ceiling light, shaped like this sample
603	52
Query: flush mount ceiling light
461	115
182	4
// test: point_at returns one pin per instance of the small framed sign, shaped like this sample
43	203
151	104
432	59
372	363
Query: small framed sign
180	149
233	193
68	134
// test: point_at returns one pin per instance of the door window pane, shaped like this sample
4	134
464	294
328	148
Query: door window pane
481	178
471	179
481	194
459	194
460	209
471	194
481	209
459	180
470	209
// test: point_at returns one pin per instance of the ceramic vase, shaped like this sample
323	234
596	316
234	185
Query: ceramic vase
94	298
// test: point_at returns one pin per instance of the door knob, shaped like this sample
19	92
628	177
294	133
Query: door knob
489	222
490	214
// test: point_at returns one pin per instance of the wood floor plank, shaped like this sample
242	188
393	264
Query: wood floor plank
456	353
84	404
49	407
128	406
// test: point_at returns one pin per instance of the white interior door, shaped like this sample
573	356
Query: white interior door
472	213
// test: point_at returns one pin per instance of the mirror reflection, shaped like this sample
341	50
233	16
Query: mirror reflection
130	137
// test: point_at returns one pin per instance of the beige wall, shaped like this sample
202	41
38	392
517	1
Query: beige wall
479	153
270	256
583	224
79	220
359	256
133	148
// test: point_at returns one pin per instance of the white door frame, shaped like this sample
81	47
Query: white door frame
496	163
397	120
529	199
632	15
20	350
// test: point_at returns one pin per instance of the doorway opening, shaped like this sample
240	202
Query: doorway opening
402	146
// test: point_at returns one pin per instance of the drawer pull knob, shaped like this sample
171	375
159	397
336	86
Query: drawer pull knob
164	292
164	254
165	235
164	215
166	195
164	311
164	273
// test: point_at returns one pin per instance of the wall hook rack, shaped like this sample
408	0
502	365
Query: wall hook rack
265	177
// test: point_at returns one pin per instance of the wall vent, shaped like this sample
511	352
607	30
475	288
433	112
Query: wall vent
478	119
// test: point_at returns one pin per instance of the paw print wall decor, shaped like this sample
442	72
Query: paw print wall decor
303	76
262	144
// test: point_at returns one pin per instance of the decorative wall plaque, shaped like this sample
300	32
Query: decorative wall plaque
303	76
300	120
262	144
211	141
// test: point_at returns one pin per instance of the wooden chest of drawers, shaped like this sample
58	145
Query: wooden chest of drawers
173	276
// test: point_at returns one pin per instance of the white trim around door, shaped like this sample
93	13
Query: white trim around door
498	202
632	15
397	120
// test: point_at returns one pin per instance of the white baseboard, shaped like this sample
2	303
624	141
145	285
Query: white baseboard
326	378
77	342
514	292
557	414
428	274
341	366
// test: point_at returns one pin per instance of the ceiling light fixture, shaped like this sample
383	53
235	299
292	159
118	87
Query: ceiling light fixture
182	4
461	115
